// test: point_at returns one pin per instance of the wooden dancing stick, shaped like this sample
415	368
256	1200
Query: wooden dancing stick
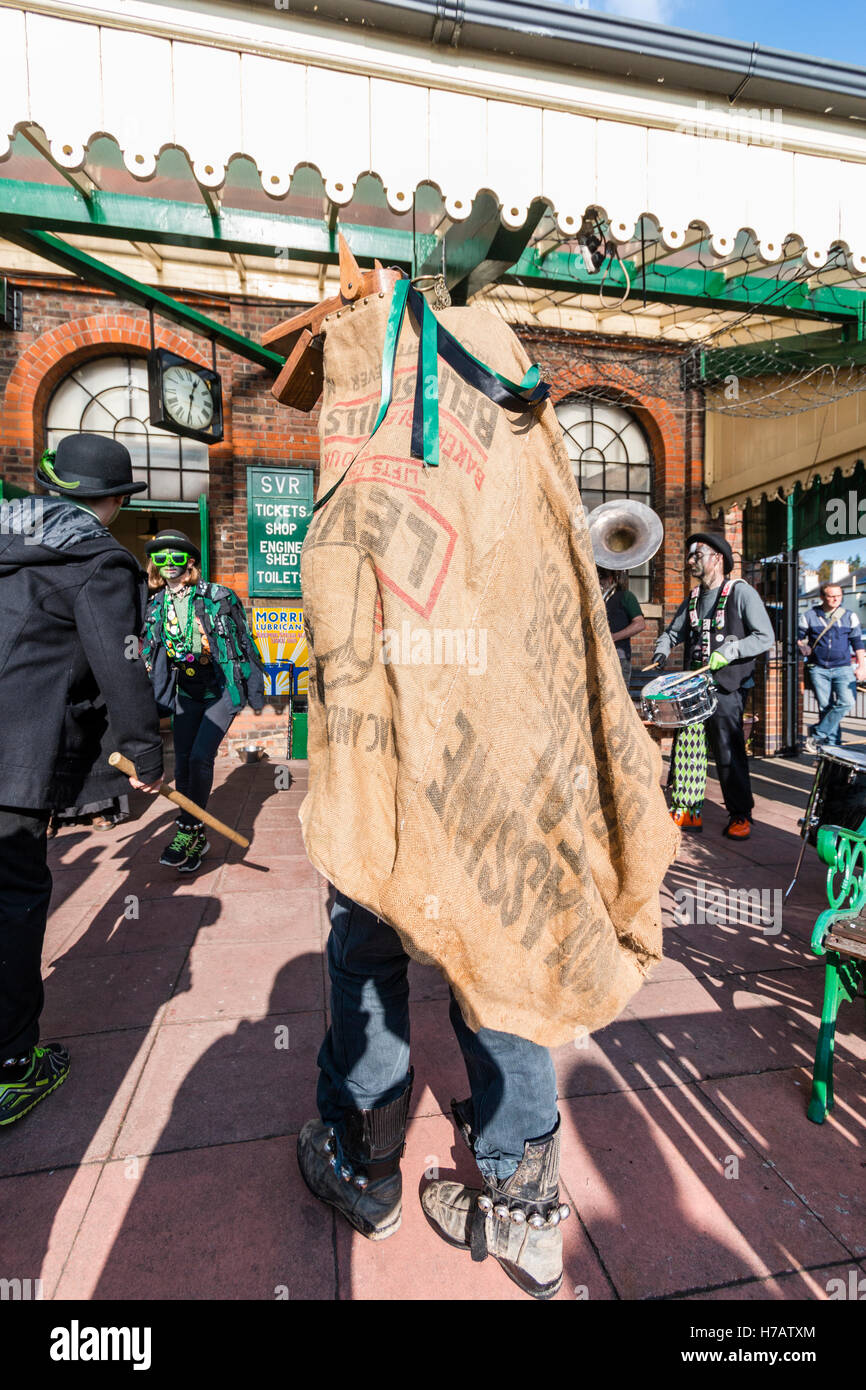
119	761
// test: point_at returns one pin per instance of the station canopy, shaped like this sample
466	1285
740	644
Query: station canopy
160	151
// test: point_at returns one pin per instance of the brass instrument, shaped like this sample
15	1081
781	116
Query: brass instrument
624	534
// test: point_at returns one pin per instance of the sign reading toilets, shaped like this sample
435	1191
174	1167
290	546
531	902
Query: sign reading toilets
279	508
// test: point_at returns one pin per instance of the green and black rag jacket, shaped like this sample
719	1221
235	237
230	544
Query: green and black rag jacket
237	662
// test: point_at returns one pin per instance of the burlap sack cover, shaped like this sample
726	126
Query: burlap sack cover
503	813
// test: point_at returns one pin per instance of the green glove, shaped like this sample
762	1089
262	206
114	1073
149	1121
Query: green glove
717	661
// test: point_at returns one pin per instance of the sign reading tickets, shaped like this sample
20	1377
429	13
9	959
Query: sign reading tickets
279	632
279	508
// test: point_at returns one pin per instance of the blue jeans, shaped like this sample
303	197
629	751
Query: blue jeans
835	690
364	1059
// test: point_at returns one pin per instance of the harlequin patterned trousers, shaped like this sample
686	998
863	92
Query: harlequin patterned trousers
689	769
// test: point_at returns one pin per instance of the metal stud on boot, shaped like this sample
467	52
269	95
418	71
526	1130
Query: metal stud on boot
360	1176
516	1220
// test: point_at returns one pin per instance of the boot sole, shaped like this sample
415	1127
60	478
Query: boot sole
20	1116
458	1245
381	1233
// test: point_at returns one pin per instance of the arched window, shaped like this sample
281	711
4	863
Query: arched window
611	458
108	395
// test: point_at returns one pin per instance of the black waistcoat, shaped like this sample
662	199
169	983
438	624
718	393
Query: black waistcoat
729	677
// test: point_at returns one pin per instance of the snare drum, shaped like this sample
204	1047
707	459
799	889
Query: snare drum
673	701
838	795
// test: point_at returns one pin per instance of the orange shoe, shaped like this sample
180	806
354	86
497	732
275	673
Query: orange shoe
738	828
688	820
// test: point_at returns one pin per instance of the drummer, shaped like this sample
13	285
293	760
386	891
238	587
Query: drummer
724	625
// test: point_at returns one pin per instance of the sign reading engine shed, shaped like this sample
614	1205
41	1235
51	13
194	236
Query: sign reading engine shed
279	508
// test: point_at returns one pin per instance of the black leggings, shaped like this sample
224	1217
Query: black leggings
25	891
199	727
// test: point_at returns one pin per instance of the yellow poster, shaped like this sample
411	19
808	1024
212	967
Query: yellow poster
279	631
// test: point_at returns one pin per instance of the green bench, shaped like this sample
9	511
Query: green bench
839	936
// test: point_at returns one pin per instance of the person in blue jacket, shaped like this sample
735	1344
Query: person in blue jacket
829	636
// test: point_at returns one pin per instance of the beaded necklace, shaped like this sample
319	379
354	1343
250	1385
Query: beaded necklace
178	641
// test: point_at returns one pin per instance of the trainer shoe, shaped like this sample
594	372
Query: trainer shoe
688	820
738	828
198	850
178	850
45	1069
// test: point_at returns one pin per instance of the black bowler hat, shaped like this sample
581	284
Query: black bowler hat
173	540
715	543
87	465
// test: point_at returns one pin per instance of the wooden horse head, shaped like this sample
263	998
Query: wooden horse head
299	384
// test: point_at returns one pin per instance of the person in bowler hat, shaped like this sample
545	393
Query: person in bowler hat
72	690
725	626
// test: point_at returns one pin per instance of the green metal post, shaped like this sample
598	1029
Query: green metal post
204	522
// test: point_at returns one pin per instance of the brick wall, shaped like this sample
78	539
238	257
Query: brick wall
645	380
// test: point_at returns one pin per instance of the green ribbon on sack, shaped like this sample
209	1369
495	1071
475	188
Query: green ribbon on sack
529	391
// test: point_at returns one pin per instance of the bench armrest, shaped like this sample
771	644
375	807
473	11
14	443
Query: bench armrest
844	851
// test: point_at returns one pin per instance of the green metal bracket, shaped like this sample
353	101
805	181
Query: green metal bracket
98	273
477	251
688	285
161	221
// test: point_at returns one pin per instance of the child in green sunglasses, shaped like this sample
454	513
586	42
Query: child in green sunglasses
205	666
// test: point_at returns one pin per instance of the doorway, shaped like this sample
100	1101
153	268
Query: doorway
135	526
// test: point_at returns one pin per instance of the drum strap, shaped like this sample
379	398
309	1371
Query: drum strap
704	626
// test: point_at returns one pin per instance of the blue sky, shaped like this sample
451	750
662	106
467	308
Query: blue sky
837	31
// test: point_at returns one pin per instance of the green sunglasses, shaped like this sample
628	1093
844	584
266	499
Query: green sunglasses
161	558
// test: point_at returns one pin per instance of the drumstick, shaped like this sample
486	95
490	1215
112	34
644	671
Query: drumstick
685	675
119	761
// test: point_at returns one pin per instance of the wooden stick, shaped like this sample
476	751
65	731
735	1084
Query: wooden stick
119	761
685	675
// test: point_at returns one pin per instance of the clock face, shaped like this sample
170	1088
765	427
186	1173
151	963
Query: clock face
187	397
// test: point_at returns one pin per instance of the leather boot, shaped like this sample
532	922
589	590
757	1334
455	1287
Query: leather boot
516	1219
360	1176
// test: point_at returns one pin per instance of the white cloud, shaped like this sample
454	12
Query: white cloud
652	11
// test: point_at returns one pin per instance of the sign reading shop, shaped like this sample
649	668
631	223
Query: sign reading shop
279	508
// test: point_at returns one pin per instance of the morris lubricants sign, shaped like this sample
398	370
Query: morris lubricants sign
279	632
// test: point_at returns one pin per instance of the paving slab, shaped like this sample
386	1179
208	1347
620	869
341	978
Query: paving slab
816	1284
40	1214
721	1024
230	1222
711	948
281	876
109	929
218	1082
79	1123
647	1173
104	993
248	979
825	1164
262	916
622	1057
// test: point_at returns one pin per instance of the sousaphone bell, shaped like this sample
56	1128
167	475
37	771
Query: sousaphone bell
624	534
